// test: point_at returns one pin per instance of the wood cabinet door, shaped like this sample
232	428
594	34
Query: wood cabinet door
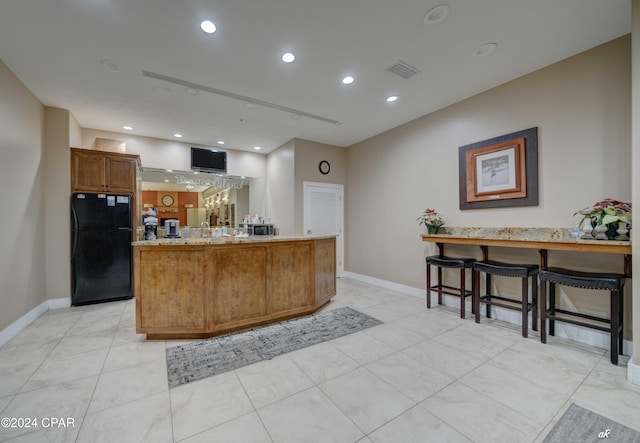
121	174
171	292
87	172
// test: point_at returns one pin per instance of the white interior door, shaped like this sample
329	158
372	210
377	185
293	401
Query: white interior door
324	215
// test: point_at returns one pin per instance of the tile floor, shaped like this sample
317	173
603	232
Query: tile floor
422	376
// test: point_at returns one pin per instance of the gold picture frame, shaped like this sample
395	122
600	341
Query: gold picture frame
496	172
500	172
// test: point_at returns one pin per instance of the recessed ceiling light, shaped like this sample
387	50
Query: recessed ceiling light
127	127
169	170
436	14
392	98
208	27
348	80
220	142
176	135
257	148
485	49
110	66
195	172
288	57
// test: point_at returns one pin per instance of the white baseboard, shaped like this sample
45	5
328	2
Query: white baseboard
409	290
633	372
571	332
59	303
14	328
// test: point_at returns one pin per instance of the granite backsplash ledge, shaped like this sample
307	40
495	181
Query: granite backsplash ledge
510	233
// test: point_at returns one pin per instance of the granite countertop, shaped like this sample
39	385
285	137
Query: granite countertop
227	240
559	235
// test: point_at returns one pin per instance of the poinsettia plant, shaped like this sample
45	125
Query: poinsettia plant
430	217
606	211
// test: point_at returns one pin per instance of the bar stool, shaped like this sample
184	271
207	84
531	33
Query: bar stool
440	261
490	267
588	280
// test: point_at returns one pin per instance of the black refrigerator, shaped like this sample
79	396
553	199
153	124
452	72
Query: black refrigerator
100	248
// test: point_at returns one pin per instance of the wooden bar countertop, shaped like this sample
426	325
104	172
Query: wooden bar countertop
227	239
559	239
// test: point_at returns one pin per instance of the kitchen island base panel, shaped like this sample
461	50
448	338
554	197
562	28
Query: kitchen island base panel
201	336
199	290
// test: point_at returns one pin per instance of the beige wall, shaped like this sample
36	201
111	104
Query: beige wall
60	127
635	60
308	155
288	168
581	107
280	188
167	154
22	255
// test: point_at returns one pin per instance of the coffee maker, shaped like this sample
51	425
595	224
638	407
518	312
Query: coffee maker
150	222
171	227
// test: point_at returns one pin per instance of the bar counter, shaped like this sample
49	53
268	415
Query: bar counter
188	288
543	239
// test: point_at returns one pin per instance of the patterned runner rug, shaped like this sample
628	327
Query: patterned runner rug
579	425
204	358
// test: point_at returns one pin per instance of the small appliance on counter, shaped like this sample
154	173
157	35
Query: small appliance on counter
171	227
258	229
150	222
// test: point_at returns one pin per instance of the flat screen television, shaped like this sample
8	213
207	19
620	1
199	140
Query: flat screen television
208	160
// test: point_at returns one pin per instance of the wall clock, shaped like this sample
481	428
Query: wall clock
167	200
324	167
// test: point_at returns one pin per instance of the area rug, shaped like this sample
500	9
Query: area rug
204	358
579	425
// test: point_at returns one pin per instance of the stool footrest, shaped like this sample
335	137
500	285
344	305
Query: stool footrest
488	299
577	322
551	312
450	290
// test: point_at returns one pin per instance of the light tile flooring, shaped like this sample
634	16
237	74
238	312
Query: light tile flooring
422	376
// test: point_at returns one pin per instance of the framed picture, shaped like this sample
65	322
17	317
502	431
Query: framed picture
226	212
500	172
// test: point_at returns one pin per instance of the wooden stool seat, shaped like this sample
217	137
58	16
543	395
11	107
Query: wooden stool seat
523	271
441	261
614	283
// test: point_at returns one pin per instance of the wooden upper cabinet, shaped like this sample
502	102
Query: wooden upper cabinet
100	171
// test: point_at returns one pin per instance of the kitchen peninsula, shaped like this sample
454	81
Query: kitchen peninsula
201	287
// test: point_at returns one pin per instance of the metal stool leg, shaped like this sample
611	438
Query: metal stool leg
542	301
439	285
615	327
463	293
487	281
621	318
525	312
534	303
473	286
552	307
476	293
428	285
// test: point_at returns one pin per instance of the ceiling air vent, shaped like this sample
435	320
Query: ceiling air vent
403	69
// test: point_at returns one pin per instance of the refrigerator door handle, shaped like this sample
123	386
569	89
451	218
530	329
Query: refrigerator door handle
75	231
